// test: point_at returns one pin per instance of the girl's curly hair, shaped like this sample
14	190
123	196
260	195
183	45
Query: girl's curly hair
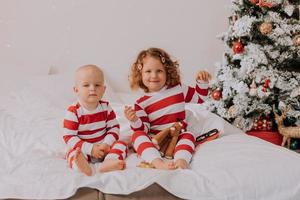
171	67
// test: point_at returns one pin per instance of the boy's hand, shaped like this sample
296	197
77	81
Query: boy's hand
130	114
203	76
99	151
104	147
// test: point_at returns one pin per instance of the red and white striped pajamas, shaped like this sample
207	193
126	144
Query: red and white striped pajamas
83	129
160	110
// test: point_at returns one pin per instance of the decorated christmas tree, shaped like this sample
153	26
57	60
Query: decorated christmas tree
261	64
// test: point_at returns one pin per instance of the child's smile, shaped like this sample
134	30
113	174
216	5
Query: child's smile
153	74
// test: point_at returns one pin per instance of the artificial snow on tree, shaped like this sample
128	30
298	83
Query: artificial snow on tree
261	63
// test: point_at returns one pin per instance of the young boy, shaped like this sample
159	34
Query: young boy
91	131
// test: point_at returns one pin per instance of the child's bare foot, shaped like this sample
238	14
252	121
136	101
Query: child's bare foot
158	163
112	165
181	163
82	163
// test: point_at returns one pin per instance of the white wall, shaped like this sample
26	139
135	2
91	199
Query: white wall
37	34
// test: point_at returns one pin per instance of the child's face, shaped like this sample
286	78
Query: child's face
153	74
89	86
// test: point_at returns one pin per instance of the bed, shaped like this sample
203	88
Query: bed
234	166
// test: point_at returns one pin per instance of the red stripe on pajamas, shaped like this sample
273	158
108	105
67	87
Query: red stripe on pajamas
119	142
187	136
74	108
143	99
78	144
90	132
68	137
116	136
203	92
136	134
190	94
164	103
96	139
169	118
200	101
118	152
145	119
143	146
71	125
184	147
92	118
122	143
111	116
69	152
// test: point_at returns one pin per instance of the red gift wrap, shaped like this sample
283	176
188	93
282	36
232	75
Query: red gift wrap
270	136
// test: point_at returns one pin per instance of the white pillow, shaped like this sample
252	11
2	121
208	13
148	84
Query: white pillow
201	120
59	89
14	78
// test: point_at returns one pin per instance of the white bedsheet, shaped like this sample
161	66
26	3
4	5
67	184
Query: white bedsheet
235	166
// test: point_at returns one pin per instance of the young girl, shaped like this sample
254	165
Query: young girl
162	105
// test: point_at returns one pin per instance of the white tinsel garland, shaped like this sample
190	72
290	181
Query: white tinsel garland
273	53
284	55
242	26
289	9
241	87
223	112
275	18
286	85
234	6
296	75
290	112
294	113
274	2
241	101
280	36
226	73
283	32
262	73
254	57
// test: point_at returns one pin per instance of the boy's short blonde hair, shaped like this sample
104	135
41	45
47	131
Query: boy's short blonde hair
89	67
171	67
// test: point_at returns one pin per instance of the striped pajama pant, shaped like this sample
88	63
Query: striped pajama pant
144	147
118	151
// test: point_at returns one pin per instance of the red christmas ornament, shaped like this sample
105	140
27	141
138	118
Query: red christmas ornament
266	85
217	94
264	89
264	3
267	82
238	47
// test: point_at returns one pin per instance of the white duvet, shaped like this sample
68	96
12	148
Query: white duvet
234	166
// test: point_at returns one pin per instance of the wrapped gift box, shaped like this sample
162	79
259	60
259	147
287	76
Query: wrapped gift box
270	136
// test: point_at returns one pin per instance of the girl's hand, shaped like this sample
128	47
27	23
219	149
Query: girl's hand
204	76
130	114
